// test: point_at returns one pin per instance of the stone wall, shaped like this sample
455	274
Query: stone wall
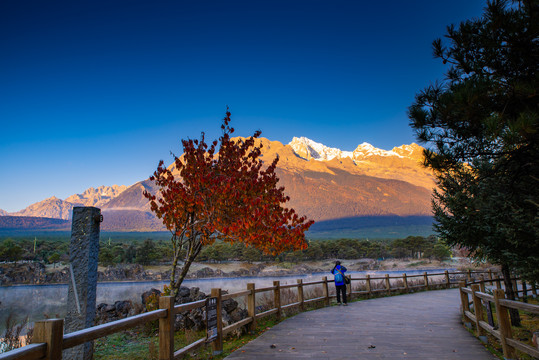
189	320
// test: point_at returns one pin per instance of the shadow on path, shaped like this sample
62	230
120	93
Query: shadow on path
423	325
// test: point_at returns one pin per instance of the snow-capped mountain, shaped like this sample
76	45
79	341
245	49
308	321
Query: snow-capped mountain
309	149
322	183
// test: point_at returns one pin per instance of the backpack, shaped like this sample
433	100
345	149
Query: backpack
339	278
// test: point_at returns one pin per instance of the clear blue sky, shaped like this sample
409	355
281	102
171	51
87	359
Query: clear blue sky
97	92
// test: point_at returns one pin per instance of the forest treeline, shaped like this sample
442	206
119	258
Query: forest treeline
153	252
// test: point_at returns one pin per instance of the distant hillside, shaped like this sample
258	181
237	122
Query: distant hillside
49	208
133	197
372	227
123	220
130	220
41	223
325	196
323	183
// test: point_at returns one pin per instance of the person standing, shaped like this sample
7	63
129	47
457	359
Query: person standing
338	271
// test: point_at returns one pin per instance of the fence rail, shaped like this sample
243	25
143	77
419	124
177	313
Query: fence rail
499	327
49	339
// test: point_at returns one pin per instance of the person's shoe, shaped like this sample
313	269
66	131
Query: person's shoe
339	304
345	304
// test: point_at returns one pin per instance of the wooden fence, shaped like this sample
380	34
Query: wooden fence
500	325
49	340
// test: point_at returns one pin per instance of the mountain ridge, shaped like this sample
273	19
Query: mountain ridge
323	183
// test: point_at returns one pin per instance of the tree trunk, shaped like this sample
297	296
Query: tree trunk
194	250
510	293
173	289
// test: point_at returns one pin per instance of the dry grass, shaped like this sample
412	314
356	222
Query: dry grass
13	336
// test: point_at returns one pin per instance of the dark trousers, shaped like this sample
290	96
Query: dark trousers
341	288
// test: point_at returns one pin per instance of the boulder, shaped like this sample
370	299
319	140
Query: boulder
22	273
145	295
187	320
119	310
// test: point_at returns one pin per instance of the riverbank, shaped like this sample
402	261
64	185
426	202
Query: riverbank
37	273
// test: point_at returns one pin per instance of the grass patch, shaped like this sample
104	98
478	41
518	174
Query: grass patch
136	345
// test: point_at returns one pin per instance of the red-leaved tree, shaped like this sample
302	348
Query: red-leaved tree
223	190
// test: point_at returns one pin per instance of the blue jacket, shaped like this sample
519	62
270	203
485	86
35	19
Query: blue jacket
334	271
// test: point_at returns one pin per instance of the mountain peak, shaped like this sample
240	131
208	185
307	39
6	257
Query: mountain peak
412	151
309	149
322	182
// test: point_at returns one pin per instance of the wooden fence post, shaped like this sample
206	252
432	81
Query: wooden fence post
478	309
405	280
524	291
217	344
301	298
490	277
368	284
325	290
469	275
166	329
464	298
349	288
50	332
388	285
277	298
498	282
447	280
504	324
534	289
482	283
426	280
251	306
515	287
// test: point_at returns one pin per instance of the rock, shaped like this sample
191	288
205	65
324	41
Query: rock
125	272
120	310
205	272
184	291
22	273
145	295
123	307
230	305
188	320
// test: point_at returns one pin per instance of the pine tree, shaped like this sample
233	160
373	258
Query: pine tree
482	121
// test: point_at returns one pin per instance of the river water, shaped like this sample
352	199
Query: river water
49	301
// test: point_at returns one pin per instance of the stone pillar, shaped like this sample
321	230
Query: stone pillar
81	297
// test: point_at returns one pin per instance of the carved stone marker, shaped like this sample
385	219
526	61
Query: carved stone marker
81	297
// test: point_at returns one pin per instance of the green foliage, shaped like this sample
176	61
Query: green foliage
147	253
440	251
483	123
10	251
54	258
125	250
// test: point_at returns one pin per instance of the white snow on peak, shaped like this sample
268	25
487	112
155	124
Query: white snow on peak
310	149
366	149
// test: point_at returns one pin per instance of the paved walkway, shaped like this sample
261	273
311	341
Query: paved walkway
424	325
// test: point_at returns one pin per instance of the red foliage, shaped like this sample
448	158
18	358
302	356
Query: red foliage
224	191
